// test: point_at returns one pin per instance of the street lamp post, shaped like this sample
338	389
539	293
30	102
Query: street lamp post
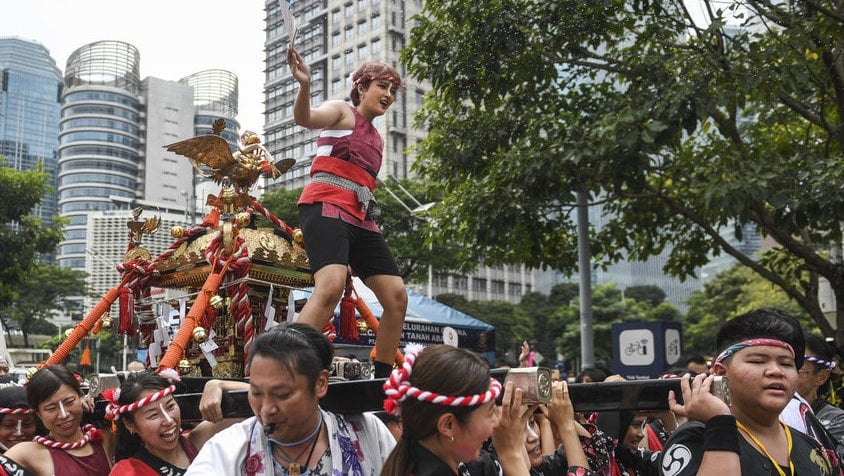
187	203
419	212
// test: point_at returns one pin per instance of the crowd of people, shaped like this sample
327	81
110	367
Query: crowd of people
450	417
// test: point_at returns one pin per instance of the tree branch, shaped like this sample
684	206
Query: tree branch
807	302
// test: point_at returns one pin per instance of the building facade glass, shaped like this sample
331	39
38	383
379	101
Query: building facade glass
30	90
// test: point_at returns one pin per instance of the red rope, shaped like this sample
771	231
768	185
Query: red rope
398	388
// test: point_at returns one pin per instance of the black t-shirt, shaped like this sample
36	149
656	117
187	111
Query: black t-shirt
552	464
426	463
683	454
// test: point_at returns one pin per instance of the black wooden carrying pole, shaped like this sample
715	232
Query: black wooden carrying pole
368	395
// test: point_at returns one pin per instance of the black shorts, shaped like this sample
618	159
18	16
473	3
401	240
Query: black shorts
333	241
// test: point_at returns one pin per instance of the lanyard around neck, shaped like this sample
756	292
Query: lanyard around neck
765	450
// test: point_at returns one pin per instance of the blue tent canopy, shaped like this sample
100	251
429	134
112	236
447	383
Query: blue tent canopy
425	322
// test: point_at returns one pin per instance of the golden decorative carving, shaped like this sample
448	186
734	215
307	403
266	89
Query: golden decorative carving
140	228
273	260
267	243
137	253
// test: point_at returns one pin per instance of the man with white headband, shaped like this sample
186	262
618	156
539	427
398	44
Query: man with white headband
757	354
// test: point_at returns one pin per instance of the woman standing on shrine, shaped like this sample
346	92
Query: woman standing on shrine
337	208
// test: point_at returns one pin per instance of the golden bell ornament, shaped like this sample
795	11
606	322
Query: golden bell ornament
68	332
216	302
298	237
199	334
185	367
108	322
362	327
242	219
177	232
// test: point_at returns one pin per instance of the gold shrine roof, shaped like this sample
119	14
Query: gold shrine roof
273	259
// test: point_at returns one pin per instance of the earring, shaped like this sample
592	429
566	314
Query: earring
451	439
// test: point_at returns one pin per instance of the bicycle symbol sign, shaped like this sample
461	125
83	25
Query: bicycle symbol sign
636	347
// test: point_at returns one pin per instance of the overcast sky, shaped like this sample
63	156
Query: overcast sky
175	38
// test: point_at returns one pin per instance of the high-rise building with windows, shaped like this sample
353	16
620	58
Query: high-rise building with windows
215	94
30	91
335	37
113	130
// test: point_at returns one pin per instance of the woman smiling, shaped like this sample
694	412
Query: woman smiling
149	431
53	392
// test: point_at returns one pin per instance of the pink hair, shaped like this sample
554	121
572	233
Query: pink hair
371	71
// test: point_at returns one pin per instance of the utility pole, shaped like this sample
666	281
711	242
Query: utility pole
584	254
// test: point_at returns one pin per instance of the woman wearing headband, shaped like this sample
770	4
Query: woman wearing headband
337	208
447	403
290	434
17	420
149	433
67	450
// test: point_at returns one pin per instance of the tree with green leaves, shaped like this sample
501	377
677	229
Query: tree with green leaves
512	323
734	291
282	203
608	308
682	124
23	235
649	293
40	293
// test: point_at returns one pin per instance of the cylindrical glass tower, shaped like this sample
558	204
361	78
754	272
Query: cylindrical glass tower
215	95
100	138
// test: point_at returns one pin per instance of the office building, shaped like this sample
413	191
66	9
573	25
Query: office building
108	238
30	91
104	146
113	130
